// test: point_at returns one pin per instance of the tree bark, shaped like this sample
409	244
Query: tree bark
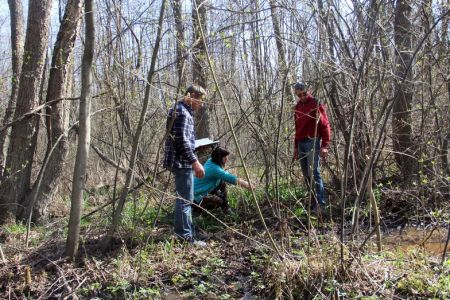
18	165
401	110
17	36
179	27
374	205
258	89
282	62
444	49
202	117
57	147
283	74
84	135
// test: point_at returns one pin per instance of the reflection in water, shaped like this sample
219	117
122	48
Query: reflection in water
413	238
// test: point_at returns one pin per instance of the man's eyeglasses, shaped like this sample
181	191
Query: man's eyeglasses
301	94
199	97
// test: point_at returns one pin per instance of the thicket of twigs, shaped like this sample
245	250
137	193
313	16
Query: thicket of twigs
381	68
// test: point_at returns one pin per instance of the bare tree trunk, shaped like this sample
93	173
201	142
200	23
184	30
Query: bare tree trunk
374	205
258	88
18	165
176	6
57	148
17	35
401	110
199	67
444	49
283	74
117	214
284	71
84	133
333	94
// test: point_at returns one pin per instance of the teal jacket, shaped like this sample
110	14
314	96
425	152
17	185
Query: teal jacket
214	174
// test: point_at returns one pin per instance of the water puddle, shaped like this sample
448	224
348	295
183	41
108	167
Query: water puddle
433	241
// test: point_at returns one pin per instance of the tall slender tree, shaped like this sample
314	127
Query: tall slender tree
401	110
84	133
180	42
282	62
446	139
199	66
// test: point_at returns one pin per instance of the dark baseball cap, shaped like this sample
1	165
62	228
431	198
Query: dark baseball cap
299	86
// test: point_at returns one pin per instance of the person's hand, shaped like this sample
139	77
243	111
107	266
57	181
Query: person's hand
247	185
251	184
323	153
244	184
199	172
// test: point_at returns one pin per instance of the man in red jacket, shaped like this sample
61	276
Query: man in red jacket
312	137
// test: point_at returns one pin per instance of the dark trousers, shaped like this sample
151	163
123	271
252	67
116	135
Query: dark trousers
309	150
215	199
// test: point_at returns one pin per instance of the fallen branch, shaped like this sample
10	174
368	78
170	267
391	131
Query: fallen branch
107	159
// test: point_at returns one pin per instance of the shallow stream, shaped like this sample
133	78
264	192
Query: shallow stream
432	240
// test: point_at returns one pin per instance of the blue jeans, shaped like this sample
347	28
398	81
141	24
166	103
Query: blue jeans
308	151
184	185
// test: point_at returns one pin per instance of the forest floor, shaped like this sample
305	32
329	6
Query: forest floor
239	262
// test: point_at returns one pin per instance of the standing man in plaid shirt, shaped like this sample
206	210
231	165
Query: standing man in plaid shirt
180	159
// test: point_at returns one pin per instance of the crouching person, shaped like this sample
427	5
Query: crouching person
210	191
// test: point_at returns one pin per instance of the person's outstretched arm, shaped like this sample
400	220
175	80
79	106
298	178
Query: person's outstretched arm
243	183
226	176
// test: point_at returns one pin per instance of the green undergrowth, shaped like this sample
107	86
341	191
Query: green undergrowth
147	262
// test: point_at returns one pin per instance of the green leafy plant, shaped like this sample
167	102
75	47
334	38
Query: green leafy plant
16	228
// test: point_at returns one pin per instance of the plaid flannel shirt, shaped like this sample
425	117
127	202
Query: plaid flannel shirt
180	142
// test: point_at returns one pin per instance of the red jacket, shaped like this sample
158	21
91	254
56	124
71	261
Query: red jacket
306	119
